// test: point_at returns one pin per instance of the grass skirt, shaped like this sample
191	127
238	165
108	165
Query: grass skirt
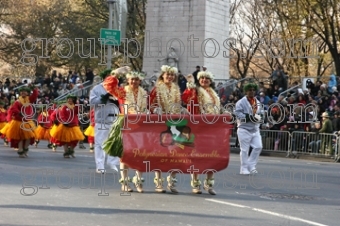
3	131
18	130
43	133
89	131
66	135
114	144
2	125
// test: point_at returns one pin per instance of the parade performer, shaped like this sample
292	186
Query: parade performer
134	98
206	101
3	119
44	127
8	120
68	133
247	111
165	98
106	110
89	132
20	130
55	122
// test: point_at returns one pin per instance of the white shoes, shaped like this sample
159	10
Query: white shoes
247	172
102	171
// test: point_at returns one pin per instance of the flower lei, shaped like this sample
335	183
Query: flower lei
130	99
24	101
166	98
69	106
210	98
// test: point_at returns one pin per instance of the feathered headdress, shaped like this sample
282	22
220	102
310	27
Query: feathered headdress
135	74
121	71
169	69
206	74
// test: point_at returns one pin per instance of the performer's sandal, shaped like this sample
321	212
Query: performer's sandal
196	186
49	146
171	184
138	183
21	154
71	152
125	184
54	147
91	149
36	143
25	152
208	186
159	185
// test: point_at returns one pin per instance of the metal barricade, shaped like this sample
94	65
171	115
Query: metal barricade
275	140
323	144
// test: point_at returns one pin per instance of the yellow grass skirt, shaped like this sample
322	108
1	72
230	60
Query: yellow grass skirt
66	134
42	133
18	130
2	125
89	131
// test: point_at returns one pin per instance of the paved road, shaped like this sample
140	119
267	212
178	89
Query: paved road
68	192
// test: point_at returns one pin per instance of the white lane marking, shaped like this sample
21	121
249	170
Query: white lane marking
267	212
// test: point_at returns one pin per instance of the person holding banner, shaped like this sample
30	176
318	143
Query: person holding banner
247	112
165	98
133	99
205	101
21	129
105	113
68	132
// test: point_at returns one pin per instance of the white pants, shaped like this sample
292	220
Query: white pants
246	140
101	133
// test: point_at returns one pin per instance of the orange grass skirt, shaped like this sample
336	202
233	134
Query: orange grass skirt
18	130
43	133
89	131
65	134
2	125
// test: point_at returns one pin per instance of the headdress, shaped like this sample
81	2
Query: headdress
250	86
135	74
325	115
169	69
205	74
121	71
73	97
105	73
25	88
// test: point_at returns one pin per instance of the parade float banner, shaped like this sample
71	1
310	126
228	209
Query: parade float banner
177	142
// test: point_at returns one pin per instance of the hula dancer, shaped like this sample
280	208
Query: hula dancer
3	119
44	127
134	97
55	123
106	111
208	102
5	128
167	96
20	130
89	132
247	112
68	133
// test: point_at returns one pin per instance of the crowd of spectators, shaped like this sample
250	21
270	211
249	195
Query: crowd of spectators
283	111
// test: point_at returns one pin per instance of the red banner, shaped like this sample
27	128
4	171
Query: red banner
176	142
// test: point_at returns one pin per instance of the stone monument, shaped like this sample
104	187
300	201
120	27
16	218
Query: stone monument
186	34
